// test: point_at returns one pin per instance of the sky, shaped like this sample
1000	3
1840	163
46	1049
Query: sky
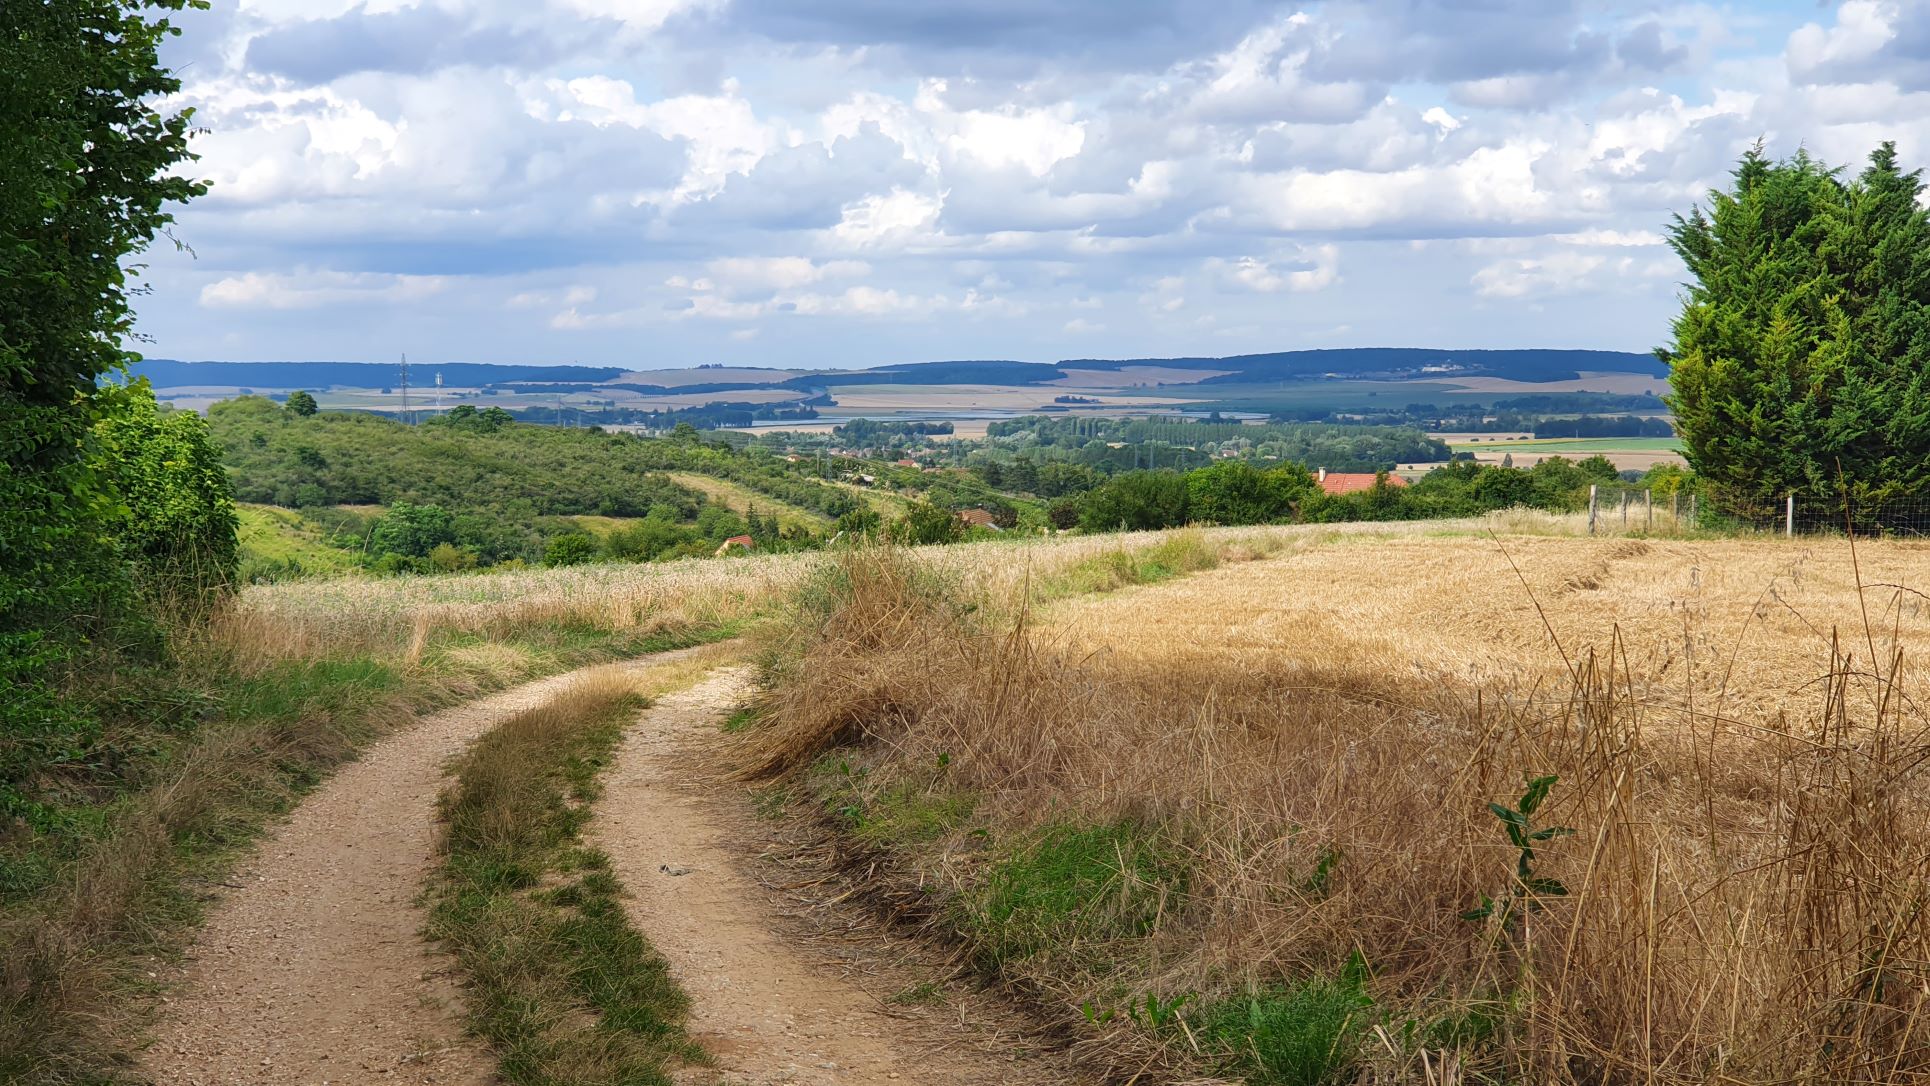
667	183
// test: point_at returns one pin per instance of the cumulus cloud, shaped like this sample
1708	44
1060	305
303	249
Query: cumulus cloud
315	289
1309	269
885	181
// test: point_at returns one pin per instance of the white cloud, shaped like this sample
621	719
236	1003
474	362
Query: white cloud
1308	269
1557	273
614	165
895	217
736	273
317	289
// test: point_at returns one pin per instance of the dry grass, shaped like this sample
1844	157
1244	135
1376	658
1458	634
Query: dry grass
302	620
1290	763
384	617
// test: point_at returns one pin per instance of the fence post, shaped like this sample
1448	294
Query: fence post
1789	515
1648	510
1624	509
1591	509
1675	509
1695	509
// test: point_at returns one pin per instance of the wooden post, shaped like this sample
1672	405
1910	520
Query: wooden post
1695	509
1624	509
1591	509
1675	510
1789	515
1648	510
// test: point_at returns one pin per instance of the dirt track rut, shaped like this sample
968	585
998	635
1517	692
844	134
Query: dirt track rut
766	1005
314	970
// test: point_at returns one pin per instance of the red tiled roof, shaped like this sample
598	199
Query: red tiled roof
1341	482
978	518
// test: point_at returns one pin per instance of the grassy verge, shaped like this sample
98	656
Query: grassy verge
1185	552
129	840
560	984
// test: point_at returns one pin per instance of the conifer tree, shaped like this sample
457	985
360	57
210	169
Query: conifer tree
1799	357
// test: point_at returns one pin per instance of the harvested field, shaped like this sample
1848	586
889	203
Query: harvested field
1481	611
1388	810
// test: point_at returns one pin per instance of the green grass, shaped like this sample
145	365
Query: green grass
909	814
741	499
1185	552
1303	1035
561	985
1072	890
277	544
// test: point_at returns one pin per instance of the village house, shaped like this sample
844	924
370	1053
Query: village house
1345	482
978	518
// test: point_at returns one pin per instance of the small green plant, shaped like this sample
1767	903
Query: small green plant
847	795
924	992
1525	891
1155	1013
1321	880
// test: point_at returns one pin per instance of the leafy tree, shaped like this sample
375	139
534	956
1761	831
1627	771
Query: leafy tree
175	514
301	404
570	549
862	520
412	530
925	522
1236	492
86	180
1799	358
449	558
1136	501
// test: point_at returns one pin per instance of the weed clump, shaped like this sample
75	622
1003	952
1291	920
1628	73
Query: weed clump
1072	891
1307	1034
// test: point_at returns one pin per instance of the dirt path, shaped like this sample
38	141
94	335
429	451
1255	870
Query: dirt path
314	971
769	1008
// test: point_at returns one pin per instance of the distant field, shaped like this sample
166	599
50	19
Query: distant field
1626	453
740	499
1586	446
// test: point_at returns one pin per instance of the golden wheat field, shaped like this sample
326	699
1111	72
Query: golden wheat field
1685	617
1297	753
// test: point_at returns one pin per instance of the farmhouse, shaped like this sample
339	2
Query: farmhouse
978	518
1343	482
743	541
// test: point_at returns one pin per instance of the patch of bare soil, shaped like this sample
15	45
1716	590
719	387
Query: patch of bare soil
778	1000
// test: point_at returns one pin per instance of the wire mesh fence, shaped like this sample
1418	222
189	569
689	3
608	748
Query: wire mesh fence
1621	510
1801	514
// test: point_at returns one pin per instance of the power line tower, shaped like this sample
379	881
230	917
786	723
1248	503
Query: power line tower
406	416
438	393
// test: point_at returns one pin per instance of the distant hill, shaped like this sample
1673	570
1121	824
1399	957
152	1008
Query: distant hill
1388	363
1534	364
168	373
